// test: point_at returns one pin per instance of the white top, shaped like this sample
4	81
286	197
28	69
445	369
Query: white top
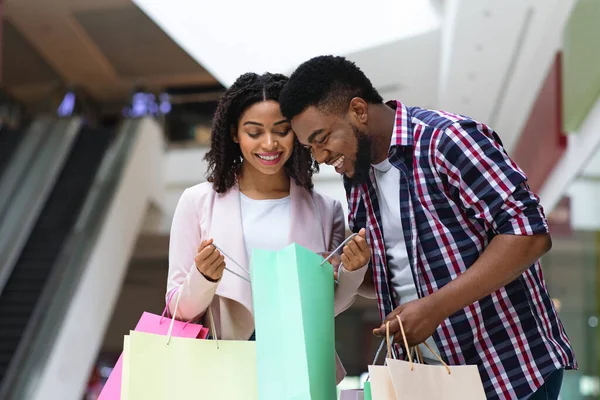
401	277
266	223
388	195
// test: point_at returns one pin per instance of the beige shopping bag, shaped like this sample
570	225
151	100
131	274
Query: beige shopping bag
382	387
379	383
414	381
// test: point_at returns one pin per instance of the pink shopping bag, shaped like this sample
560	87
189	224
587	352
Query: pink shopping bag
150	323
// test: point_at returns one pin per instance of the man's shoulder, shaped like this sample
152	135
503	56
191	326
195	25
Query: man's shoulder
436	119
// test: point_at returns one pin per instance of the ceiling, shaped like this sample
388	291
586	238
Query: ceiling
495	57
105	47
482	58
269	35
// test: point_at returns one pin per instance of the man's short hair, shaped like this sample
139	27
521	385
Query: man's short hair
328	83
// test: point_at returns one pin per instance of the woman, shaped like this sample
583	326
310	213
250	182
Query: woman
258	195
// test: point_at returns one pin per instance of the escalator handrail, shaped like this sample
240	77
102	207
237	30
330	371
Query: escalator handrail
43	328
29	198
21	160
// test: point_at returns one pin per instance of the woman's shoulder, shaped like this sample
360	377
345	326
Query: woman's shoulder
200	192
325	201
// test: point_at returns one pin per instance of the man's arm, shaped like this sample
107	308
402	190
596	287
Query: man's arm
488	186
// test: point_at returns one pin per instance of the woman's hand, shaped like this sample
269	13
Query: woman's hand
356	253
334	260
209	261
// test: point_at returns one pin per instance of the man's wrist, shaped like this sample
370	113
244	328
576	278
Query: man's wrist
442	304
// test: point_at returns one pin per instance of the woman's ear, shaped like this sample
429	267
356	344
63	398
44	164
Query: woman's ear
234	135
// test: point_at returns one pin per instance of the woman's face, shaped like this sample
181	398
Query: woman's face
265	137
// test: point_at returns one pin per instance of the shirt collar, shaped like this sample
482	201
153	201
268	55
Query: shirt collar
402	134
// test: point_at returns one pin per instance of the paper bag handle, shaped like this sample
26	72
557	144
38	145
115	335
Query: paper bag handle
349	238
170	331
408	349
212	325
210	314
162	316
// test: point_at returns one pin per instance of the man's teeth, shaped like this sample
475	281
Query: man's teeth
268	158
339	162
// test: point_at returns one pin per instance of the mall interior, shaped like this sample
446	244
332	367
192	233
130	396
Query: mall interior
105	118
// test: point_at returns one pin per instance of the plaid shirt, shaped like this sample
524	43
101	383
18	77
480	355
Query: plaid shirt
458	189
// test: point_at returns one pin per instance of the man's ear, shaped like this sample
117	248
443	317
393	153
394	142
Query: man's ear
358	110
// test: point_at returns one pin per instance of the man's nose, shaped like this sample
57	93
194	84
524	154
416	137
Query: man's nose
320	155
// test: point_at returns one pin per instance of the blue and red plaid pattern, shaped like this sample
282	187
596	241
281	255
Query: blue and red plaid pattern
458	190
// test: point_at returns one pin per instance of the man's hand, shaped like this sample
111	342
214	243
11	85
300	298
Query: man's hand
420	318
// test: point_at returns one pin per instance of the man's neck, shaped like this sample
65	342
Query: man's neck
381	125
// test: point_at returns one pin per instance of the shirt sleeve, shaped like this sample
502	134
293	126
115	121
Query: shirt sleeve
485	182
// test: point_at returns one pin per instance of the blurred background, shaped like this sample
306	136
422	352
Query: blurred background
105	115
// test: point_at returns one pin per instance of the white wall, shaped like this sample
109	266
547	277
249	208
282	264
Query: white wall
580	160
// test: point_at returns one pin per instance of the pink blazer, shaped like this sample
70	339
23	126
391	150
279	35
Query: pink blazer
317	224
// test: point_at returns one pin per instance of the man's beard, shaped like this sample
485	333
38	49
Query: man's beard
362	165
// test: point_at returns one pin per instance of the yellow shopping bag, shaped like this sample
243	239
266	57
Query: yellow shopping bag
163	367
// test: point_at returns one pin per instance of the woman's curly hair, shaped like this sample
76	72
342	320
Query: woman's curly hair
225	156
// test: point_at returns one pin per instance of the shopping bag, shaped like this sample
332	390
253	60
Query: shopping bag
293	312
420	381
381	384
367	388
158	367
352	394
150	323
188	368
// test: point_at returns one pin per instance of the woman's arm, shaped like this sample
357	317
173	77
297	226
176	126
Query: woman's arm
195	292
349	280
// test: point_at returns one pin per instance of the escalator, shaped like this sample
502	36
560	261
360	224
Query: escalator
68	227
21	293
9	140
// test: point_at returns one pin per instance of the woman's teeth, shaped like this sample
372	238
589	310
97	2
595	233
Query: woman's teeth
269	158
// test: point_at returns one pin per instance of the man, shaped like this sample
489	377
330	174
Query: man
455	233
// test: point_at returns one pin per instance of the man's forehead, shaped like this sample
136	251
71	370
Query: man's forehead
312	117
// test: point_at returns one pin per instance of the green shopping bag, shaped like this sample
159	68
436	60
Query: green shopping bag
367	389
293	312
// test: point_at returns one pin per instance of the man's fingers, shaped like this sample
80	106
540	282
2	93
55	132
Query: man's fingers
391	318
398	338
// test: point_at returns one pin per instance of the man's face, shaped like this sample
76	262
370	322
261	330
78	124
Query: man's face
335	140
